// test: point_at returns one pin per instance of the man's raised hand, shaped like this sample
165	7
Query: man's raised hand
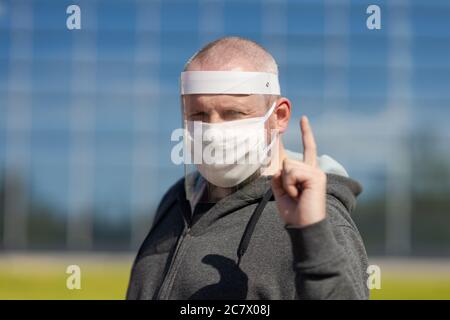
299	187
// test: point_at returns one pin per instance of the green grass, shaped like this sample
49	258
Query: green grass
413	287
99	280
104	278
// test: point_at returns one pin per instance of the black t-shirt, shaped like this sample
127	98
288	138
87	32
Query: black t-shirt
200	209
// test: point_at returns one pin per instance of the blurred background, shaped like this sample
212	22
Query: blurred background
86	117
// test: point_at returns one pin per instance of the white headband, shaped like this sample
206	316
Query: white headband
229	82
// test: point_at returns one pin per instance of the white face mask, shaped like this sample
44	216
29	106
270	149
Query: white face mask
231	151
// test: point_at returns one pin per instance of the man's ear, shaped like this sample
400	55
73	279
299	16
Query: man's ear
282	114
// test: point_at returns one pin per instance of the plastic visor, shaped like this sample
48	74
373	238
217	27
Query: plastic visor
199	177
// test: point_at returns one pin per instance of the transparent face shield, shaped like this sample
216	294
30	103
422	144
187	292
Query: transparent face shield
228	140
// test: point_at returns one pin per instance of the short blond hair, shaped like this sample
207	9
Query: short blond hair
231	52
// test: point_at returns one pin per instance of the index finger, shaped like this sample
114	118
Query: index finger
309	144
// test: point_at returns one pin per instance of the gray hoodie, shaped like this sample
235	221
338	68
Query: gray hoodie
206	260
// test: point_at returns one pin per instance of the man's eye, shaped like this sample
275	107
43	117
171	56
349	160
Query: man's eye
233	114
197	116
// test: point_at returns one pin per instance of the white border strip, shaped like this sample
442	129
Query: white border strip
229	82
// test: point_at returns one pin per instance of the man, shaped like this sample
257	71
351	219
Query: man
281	230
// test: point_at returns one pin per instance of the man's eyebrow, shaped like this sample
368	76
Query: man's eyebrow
194	106
224	105
233	105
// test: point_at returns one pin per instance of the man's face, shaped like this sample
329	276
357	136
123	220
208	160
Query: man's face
214	108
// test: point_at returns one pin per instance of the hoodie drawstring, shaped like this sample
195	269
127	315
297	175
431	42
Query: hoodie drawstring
245	240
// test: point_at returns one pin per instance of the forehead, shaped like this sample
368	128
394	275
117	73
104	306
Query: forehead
217	101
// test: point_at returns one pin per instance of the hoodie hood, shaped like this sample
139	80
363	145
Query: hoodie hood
339	185
326	163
